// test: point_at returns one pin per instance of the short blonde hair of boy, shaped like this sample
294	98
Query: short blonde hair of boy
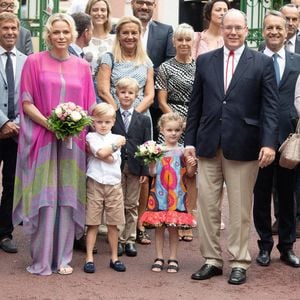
127	82
169	117
103	109
183	30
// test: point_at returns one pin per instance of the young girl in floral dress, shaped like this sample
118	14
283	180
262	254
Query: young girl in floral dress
168	196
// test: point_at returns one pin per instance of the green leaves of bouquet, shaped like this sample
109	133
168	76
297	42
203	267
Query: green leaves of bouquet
68	119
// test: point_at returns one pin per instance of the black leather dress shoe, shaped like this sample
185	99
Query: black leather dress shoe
207	271
263	258
120	249
8	245
237	276
130	250
81	245
290	258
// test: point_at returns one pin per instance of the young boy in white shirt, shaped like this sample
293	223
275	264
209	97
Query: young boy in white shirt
104	190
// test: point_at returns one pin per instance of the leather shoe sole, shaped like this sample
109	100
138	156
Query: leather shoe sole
8	246
207	271
263	258
237	276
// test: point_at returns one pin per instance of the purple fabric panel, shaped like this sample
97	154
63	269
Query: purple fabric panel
52	244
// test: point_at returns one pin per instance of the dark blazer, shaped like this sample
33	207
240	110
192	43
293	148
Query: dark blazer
241	121
288	115
159	45
139	131
24	42
262	45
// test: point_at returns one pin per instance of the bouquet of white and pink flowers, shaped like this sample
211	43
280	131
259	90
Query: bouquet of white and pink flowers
67	120
150	152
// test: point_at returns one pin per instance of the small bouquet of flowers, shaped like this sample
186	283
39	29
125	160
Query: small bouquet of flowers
149	152
67	120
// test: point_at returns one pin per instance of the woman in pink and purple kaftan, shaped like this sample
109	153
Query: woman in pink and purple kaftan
50	189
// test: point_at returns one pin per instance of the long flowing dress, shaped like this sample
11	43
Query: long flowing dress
167	203
49	176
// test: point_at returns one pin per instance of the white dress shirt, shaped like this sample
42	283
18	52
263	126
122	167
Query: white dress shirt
13	58
291	44
237	55
280	58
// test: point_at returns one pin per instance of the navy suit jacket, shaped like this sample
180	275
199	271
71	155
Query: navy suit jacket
139	131
159	45
243	119
287	111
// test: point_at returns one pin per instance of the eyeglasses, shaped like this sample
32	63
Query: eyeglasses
237	29
7	5
147	3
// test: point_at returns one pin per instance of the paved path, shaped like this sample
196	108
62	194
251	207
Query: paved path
277	281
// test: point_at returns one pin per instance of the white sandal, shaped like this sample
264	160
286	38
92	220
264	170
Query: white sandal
65	270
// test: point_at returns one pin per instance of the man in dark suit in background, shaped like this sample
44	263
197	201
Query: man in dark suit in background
24	43
11	64
275	32
84	28
157	39
232	129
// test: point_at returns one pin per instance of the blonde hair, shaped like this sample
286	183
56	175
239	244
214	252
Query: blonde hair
49	27
107	25
141	57
169	117
7	16
103	109
127	82
183	30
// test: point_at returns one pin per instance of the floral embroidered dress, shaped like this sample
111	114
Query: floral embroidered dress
48	174
168	194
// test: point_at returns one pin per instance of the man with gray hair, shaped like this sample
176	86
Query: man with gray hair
232	130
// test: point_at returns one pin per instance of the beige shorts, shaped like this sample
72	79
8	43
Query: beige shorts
104	198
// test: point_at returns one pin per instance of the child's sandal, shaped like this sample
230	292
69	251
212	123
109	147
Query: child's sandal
172	268
157	267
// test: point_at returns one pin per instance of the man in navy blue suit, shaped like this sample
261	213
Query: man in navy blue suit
232	129
275	34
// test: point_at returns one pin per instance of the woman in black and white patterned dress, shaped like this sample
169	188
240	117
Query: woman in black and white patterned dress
174	83
175	78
